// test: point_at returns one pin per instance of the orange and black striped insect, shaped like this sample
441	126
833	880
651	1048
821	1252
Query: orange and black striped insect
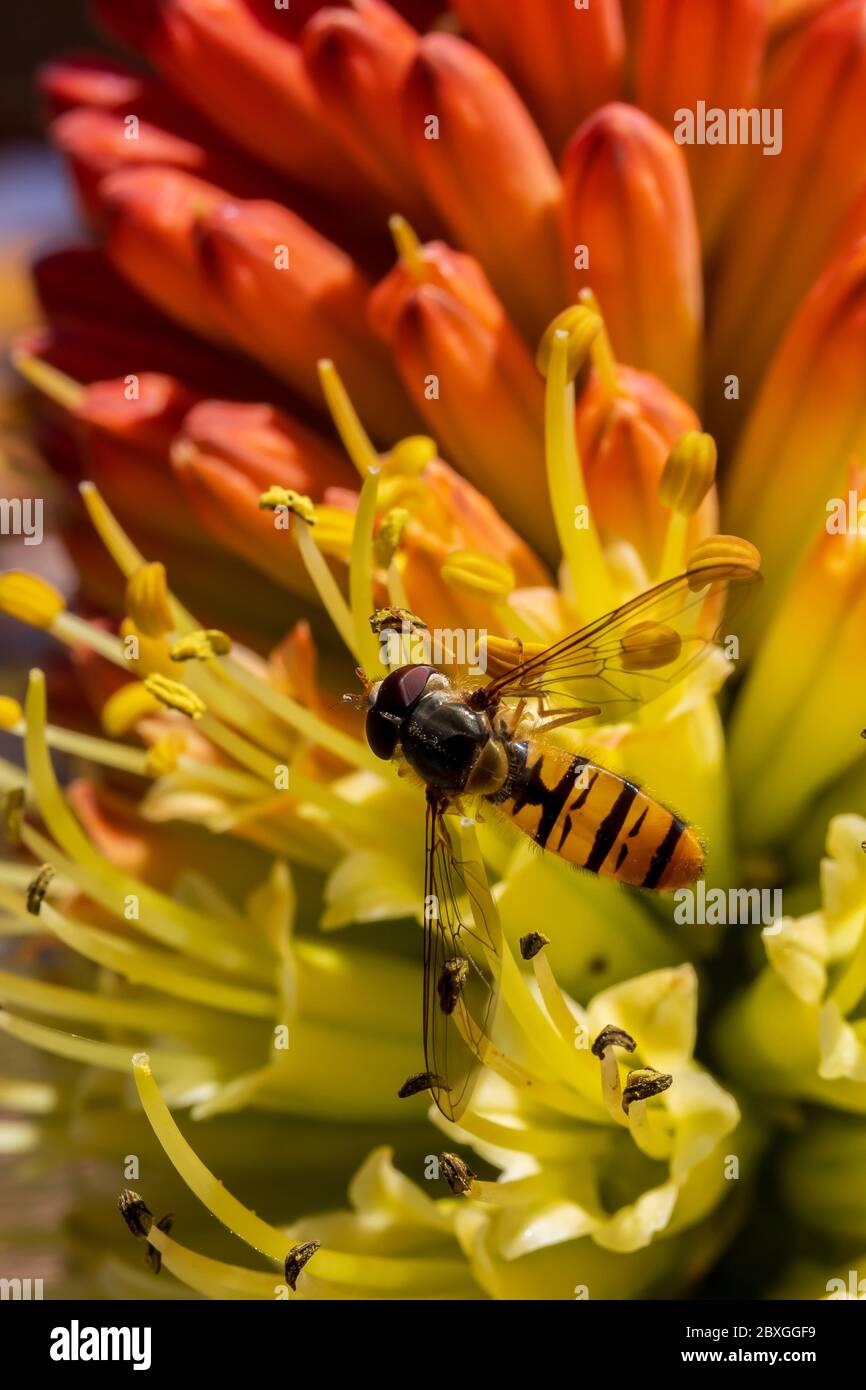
488	741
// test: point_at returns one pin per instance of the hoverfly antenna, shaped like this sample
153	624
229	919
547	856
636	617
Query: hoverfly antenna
363	700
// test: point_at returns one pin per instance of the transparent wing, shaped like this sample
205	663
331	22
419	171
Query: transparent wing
627	658
461	968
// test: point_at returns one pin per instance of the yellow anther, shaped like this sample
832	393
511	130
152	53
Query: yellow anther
689	472
163	757
648	646
389	535
482	576
147	600
122	710
144	654
176	696
30	599
201	645
504	653
10	712
407	244
723	550
582	325
334	527
295	502
411	455
13	814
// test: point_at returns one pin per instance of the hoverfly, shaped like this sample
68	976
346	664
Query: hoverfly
482	741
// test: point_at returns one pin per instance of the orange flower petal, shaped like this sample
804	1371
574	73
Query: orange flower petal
564	61
153	222
248	80
289	297
628	203
792	203
711	52
473	380
358	60
808	422
624	442
485	168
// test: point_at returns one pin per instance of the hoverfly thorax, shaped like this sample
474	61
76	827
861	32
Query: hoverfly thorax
416	712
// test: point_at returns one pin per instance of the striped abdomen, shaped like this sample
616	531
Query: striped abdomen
596	819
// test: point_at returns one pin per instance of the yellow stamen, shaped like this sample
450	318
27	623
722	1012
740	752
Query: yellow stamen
724	550
601	351
10	712
176	696
14	803
297	503
389	535
202	645
326	586
112	1056
30	599
361	573
355	439
410	456
162	757
580	326
147	600
578	536
123	710
53	383
687	477
689	472
480	576
408	245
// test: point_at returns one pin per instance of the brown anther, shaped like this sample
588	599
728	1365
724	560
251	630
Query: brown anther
385	619
611	1036
532	943
414	1085
37	889
643	1084
135	1212
450	983
458	1175
153	1257
298	1256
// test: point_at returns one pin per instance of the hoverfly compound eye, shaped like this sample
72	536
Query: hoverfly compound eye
393	700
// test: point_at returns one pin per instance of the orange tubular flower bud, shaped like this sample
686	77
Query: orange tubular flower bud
288	296
228	454
628	203
95	143
153	223
711	52
564	61
625	442
358	60
808	422
126	427
793	201
251	82
485	168
472	378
